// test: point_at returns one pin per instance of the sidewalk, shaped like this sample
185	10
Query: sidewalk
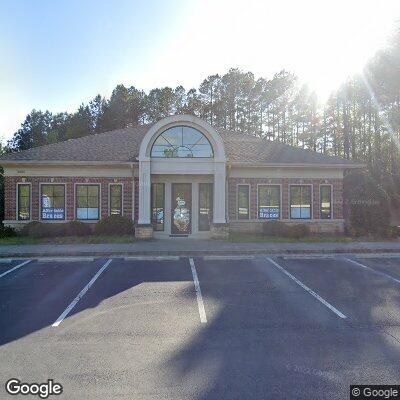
189	247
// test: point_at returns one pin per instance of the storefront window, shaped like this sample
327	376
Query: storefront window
300	202
243	211
269	199
205	206
116	199
24	202
157	206
326	201
87	202
53	202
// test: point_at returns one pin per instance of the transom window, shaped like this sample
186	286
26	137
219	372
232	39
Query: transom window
182	142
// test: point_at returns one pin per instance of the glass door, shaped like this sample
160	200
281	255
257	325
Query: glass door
181	208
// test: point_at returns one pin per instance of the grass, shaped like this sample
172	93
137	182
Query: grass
259	238
92	239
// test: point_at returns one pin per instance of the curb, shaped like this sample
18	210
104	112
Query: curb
197	253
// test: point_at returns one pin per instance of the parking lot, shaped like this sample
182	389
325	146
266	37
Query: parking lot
251	327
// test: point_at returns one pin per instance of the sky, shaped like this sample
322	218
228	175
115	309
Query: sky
54	55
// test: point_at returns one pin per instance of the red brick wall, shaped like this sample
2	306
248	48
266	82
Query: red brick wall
337	195
10	194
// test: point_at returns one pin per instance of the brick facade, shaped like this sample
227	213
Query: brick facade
254	224
11	193
129	205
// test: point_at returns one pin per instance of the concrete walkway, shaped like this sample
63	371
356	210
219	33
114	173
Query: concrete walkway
188	247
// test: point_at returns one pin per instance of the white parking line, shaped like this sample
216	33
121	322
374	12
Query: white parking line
372	270
202	311
307	289
81	294
14	268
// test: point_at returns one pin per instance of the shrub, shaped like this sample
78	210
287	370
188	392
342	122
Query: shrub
7	231
278	228
297	231
274	228
393	232
114	225
77	228
40	229
368	207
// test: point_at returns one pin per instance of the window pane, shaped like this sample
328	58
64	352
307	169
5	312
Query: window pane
157	206
182	142
24	202
269	202
115	200
93	201
93	191
205	206
81	190
87	202
300	202
243	202
326	202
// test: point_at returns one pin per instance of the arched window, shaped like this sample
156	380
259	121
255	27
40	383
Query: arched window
182	142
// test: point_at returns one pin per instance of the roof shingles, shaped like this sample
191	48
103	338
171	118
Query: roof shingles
122	145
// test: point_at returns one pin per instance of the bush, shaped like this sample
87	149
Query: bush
40	229
278	228
274	228
114	225
393	232
77	228
6	231
367	205
297	231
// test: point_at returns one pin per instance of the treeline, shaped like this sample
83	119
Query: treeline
360	121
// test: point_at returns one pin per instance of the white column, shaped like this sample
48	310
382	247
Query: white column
219	193
144	192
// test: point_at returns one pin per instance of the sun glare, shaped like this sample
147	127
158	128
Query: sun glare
322	42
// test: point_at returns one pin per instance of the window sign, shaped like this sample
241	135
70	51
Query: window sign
269	200
53	202
269	212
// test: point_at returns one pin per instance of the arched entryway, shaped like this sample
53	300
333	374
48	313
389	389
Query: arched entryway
184	157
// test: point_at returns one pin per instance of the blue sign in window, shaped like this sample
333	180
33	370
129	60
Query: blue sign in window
53	213
268	212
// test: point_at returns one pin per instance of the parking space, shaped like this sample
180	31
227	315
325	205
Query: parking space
201	328
364	296
32	295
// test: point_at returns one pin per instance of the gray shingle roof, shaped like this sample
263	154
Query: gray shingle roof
122	145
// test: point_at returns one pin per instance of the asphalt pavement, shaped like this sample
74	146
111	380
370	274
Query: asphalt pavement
214	327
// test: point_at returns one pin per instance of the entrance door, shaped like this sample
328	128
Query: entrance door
181	208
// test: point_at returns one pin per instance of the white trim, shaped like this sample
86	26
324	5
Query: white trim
297	165
109	197
30	202
311	205
280	201
40	202
319	205
87	184
237	201
188	120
